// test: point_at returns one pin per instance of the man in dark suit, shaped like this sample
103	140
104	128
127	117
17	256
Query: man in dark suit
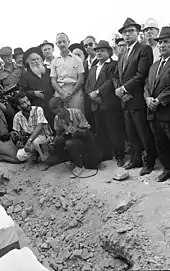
157	95
89	44
133	69
105	105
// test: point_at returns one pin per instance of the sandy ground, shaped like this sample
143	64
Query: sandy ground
94	223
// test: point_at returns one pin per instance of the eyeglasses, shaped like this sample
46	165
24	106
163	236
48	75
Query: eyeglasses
90	44
130	31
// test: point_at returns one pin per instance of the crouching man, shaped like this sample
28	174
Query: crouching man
74	141
30	129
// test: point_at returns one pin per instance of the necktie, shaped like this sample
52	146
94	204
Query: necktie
125	58
160	67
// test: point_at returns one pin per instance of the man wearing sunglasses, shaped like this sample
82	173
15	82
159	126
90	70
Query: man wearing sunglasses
89	44
133	67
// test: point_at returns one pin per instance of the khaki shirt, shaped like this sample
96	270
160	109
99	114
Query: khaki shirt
66	69
10	77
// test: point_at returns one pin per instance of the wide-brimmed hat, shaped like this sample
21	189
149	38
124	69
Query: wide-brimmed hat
103	44
129	22
46	42
5	51
119	40
30	51
150	23
18	51
165	33
78	46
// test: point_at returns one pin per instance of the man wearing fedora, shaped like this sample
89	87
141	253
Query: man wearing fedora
47	49
18	56
106	105
133	69
157	95
151	31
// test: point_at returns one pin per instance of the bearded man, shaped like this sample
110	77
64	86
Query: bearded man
36	81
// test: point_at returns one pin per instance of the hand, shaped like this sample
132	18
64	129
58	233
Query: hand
2	107
119	92
27	146
152	103
39	94
68	97
93	95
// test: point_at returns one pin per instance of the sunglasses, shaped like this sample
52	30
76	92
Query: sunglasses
90	44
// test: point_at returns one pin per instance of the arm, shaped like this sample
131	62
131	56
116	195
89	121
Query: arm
23	86
56	86
144	63
79	83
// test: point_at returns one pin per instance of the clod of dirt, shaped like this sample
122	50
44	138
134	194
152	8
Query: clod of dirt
125	205
17	209
7	203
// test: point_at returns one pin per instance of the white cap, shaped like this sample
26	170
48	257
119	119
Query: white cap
151	23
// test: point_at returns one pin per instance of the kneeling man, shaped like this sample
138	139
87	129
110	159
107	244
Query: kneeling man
30	129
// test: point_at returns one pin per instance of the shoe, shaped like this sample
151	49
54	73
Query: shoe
145	170
163	177
77	171
120	162
133	165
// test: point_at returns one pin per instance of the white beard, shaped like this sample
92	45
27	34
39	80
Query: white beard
38	70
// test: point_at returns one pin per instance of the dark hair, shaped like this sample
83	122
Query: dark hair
90	37
56	102
20	95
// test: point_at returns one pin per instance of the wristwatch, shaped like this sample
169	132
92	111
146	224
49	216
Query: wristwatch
97	91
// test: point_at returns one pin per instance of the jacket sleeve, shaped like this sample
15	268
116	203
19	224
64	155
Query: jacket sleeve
164	96
146	89
144	63
23	85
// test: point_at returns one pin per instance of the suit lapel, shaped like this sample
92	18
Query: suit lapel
132	53
120	65
153	79
162	72
100	76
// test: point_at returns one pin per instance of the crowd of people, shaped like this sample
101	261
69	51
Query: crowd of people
91	103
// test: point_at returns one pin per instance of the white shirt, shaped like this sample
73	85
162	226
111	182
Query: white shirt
130	48
100	66
156	53
90	61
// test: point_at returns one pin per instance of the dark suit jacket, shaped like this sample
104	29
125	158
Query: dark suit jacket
86	68
105	85
159	88
134	75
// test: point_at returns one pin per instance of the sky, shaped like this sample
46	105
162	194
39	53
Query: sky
27	23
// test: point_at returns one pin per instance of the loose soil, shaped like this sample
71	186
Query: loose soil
95	223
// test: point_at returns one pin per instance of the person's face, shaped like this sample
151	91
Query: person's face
47	50
59	111
7	59
122	46
35	60
62	42
89	46
130	34
164	47
79	52
151	33
19	59
102	54
25	104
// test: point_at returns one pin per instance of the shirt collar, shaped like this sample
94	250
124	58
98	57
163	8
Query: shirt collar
69	54
132	45
107	61
166	59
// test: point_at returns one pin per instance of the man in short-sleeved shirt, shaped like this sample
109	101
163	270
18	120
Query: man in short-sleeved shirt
67	73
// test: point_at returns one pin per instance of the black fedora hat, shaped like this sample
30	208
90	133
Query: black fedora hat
164	33
18	51
46	42
30	51
103	44
129	22
78	46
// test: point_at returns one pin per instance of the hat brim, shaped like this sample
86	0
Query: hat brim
46	43
103	47
74	46
162	37
19	53
30	51
137	26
